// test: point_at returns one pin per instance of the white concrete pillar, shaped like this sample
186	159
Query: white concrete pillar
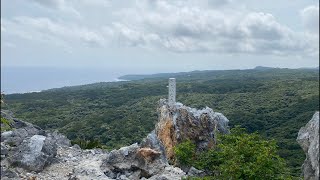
172	91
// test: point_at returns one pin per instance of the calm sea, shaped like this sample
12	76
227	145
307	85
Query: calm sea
31	79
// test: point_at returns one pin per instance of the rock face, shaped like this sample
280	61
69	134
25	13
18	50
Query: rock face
134	162
28	146
178	123
308	138
151	158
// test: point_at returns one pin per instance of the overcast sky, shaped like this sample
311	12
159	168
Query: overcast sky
166	35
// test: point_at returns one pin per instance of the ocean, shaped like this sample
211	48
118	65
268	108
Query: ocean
35	79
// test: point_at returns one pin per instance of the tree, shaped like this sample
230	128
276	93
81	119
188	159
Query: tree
238	155
249	156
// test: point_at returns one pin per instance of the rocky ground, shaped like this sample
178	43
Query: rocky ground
69	163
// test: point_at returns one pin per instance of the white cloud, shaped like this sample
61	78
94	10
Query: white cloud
310	18
105	3
47	31
9	45
3	29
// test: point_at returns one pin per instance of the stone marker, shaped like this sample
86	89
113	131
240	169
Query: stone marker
172	91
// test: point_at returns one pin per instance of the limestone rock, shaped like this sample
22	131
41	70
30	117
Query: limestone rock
33	153
133	162
178	123
169	173
58	139
308	138
195	172
152	141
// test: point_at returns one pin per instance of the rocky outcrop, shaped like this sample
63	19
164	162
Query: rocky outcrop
178	123
134	162
27	146
308	138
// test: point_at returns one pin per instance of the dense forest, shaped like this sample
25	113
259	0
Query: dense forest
273	102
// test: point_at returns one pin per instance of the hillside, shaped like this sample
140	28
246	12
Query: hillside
274	102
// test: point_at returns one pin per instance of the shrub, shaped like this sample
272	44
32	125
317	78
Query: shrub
238	155
5	125
87	144
185	153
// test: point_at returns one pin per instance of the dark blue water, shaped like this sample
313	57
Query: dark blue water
31	79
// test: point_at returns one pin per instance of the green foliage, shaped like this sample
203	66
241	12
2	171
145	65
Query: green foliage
5	124
87	144
275	102
238	155
248	156
185	153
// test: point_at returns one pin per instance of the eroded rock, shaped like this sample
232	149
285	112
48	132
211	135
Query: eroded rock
133	162
33	153
308	138
178	123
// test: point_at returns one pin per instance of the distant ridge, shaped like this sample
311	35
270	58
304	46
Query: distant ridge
263	68
132	77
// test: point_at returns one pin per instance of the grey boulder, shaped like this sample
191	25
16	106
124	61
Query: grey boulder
308	139
34	153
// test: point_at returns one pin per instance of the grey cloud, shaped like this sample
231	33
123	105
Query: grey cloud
219	2
48	31
51	3
195	29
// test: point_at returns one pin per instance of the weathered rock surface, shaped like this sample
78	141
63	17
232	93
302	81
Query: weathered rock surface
27	146
178	123
308	138
134	162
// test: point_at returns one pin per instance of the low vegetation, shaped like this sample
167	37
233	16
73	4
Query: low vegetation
238	155
5	124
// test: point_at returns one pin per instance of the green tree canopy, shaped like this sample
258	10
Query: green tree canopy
238	155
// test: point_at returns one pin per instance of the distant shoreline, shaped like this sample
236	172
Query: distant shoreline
37	91
20	81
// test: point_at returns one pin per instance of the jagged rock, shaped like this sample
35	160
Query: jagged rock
18	135
21	130
308	138
4	149
169	173
195	172
5	172
29	146
152	141
33	153
178	123
134	162
6	135
58	139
